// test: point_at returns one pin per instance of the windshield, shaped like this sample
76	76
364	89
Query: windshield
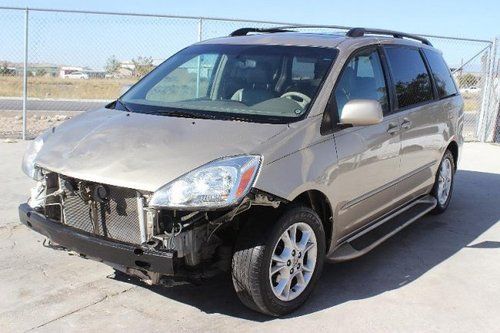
248	82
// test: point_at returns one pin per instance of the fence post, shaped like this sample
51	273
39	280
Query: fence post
494	135
25	70
489	118
200	37
481	126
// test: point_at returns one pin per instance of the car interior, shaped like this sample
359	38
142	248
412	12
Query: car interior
254	80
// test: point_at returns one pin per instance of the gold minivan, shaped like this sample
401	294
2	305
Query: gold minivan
262	154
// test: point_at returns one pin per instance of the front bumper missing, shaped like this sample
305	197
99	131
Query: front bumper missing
108	251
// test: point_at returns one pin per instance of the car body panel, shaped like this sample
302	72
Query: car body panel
284	38
143	151
289	172
368	170
392	170
364	172
421	148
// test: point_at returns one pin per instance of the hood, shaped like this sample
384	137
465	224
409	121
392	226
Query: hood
143	151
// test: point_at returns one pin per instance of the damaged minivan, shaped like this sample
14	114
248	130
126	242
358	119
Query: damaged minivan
262	154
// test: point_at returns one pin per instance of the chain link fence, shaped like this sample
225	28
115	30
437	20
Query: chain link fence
58	63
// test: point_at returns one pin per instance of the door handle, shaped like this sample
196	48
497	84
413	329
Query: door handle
393	128
406	124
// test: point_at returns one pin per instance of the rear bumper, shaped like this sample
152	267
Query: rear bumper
127	255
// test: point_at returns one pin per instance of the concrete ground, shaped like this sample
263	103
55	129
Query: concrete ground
440	274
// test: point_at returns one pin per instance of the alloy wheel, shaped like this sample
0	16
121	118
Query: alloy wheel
293	261
444	181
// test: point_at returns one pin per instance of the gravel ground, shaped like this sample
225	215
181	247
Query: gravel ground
11	122
441	274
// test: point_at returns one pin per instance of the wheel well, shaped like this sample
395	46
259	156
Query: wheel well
318	202
453	148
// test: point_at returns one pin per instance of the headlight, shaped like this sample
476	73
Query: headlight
30	155
220	183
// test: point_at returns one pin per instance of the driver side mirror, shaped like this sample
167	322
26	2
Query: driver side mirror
362	112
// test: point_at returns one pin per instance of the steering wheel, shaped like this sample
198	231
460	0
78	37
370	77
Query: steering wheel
298	97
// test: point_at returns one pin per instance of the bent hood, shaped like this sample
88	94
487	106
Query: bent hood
142	151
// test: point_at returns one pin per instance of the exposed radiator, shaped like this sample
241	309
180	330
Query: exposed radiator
116	219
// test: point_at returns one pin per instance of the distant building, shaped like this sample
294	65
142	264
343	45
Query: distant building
65	70
126	69
95	73
34	69
43	69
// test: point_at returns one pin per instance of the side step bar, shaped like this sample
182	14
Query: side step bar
372	236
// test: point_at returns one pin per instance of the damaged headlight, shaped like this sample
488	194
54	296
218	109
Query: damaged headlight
30	155
220	183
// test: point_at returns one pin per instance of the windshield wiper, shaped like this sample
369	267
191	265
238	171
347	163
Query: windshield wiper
122	104
184	114
176	112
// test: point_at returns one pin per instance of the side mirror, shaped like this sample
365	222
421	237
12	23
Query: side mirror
362	112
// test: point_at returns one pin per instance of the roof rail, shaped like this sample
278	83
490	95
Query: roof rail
246	31
284	28
360	32
352	32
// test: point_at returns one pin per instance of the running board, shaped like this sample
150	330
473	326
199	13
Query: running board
372	236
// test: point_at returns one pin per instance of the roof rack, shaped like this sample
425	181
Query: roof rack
360	32
245	31
352	32
285	28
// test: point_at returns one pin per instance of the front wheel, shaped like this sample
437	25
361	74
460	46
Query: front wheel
443	185
275	270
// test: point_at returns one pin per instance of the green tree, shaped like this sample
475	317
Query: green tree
142	65
112	65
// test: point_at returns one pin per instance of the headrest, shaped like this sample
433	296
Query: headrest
257	76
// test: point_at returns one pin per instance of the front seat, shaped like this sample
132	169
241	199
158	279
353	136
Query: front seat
257	90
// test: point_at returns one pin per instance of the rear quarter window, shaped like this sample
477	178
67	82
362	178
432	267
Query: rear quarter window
441	73
411	79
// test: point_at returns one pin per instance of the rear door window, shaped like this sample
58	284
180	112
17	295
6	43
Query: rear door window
411	79
441	73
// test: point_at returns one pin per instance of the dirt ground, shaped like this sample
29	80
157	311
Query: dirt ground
11	122
55	87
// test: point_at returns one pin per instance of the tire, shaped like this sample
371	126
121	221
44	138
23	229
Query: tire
444	178
255	285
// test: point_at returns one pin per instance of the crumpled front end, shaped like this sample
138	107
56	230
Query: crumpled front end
115	225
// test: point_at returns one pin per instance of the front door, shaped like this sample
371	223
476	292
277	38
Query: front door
368	156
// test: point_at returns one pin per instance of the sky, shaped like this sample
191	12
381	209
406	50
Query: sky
83	35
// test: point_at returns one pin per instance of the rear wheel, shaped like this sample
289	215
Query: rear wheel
443	186
274	270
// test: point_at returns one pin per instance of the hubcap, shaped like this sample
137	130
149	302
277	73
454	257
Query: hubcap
444	181
293	261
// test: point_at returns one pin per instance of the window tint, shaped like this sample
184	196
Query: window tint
362	78
441	73
412	82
